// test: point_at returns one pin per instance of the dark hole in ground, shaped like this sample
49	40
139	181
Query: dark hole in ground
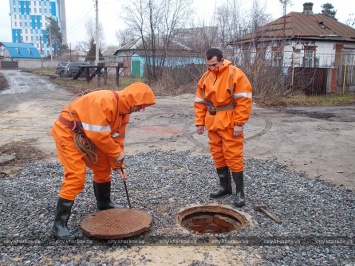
211	219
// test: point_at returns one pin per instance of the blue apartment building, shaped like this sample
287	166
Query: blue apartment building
28	22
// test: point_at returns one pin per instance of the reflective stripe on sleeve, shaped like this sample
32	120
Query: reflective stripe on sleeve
96	128
243	95
114	135
199	100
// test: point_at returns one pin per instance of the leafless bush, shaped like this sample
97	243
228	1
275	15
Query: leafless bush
178	80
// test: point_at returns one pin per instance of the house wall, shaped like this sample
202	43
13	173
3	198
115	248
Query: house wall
324	54
5	53
327	54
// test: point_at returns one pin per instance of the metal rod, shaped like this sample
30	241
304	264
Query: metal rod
125	187
270	215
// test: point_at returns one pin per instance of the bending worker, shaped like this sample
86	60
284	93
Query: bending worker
90	133
223	105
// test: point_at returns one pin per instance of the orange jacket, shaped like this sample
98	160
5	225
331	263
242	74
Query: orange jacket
216	85
103	120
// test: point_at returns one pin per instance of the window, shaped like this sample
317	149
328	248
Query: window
276	55
309	59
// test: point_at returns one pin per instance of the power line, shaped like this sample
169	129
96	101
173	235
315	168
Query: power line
77	23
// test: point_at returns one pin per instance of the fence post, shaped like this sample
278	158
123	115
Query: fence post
344	78
293	70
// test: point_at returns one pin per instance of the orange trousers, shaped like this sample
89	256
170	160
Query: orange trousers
227	150
74	163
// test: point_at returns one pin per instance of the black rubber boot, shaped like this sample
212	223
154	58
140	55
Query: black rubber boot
103	195
238	179
225	183
62	214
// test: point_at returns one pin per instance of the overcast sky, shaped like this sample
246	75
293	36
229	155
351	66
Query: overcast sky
79	11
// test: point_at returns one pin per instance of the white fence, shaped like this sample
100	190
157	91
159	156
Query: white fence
35	63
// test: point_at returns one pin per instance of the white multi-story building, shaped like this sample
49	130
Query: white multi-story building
29	22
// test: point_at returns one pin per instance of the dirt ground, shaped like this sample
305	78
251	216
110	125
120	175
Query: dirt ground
318	141
315	140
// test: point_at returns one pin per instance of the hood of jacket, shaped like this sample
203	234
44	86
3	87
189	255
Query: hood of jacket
135	94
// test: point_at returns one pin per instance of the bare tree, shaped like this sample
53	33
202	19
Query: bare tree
91	35
234	22
155	22
228	19
350	20
125	36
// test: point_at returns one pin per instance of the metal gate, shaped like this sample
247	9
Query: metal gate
9	64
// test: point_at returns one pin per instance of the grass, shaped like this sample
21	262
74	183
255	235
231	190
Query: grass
296	100
81	84
324	100
303	100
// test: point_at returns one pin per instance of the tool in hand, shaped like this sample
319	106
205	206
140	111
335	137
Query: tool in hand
125	186
263	209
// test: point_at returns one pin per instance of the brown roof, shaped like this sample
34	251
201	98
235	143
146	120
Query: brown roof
301	26
137	46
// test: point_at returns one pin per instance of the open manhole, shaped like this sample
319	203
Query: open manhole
116	223
212	219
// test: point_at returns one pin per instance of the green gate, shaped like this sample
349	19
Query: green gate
136	69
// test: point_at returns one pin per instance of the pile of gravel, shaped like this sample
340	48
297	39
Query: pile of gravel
317	218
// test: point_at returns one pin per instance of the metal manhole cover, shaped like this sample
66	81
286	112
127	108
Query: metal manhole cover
116	223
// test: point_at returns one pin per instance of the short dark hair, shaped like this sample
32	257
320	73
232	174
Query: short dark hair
214	52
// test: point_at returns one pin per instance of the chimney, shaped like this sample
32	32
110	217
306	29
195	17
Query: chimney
307	8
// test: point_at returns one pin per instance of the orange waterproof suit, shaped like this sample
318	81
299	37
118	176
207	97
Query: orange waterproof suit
102	116
215	88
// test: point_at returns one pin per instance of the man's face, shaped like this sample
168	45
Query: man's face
213	63
137	108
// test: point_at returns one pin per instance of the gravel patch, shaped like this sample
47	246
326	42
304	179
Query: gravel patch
317	218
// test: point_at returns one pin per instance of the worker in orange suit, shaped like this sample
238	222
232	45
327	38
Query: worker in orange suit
89	132
223	105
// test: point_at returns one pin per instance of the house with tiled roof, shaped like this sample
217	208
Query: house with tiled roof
133	56
303	39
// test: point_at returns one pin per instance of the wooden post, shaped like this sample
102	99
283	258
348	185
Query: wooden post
118	76
105	75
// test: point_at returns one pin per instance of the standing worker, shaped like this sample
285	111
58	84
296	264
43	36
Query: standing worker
89	132
223	105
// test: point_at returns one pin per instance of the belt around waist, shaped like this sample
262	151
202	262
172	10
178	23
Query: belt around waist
70	124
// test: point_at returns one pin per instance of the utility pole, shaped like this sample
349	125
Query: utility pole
97	35
50	44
